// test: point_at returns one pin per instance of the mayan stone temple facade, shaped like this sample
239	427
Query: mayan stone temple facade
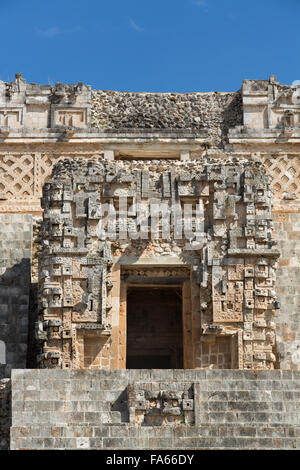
150	263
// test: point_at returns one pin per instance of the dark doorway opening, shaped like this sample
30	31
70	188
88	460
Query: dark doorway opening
154	328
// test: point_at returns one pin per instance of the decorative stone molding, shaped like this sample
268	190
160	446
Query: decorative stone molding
146	271
32	106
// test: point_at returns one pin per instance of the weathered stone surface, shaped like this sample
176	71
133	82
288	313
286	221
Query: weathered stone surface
173	149
213	112
102	410
15	259
232	246
31	106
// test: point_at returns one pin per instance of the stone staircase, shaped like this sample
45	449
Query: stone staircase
82	409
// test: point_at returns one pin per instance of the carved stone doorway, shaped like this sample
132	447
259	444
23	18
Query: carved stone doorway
154	327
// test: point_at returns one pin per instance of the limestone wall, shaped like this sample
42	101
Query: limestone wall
155	409
15	258
287	234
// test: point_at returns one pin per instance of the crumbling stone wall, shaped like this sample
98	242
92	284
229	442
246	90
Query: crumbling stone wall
232	261
213	112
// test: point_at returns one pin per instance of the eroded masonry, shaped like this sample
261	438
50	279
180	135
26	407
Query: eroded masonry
146	239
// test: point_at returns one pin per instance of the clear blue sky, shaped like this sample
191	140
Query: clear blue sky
155	45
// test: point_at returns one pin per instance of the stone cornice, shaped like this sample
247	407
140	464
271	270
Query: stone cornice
75	135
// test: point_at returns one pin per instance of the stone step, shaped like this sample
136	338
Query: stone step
66	418
59	405
108	437
248	418
126	430
232	409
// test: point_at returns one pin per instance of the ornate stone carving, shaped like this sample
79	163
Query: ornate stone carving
160	407
228	251
31	106
285	172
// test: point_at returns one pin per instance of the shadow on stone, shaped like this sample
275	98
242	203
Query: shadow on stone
14	300
5	409
121	405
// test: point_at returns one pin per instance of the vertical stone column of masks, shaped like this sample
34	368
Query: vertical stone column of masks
100	263
239	263
253	263
55	276
263	326
74	270
227	285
